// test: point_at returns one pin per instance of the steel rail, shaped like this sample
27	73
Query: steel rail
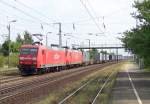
34	81
102	87
48	82
80	88
43	86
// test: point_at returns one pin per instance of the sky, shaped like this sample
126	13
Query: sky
110	17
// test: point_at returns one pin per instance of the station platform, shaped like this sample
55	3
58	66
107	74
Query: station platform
132	86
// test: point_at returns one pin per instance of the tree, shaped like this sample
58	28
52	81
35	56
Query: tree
5	48
0	48
137	39
93	52
15	46
19	39
27	38
18	43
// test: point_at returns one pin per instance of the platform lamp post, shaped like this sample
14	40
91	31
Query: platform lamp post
46	37
8	27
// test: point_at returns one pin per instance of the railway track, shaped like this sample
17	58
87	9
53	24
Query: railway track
12	72
32	80
103	86
22	85
102	81
7	79
3	77
23	92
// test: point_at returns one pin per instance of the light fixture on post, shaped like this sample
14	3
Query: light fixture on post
8	27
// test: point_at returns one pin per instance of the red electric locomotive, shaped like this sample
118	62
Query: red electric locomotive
37	58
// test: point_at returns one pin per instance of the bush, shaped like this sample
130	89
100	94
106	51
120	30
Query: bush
1	61
14	60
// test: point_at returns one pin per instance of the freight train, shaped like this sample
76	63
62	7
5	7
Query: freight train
37	59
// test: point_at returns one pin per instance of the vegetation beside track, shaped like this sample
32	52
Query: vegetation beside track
87	93
13	60
14	50
12	70
137	39
9	71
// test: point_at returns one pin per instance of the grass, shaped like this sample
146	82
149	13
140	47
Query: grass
9	71
4	70
104	97
147	69
13	60
1	61
86	95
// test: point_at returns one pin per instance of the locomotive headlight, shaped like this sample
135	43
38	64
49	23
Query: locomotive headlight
34	58
21	58
21	62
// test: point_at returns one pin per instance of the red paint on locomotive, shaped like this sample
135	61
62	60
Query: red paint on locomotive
34	58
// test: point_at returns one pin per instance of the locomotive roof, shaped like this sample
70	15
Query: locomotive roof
30	46
37	46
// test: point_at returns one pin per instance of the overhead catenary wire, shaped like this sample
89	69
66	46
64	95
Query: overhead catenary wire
47	17
33	9
64	22
21	11
101	17
36	11
43	15
92	9
13	15
16	28
23	29
91	16
34	20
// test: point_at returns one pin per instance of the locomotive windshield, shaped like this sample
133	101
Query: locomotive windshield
28	51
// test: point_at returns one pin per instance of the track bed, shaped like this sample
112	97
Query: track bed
34	87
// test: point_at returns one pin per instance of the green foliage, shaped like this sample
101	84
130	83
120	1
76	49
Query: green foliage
15	46
1	61
14	49
93	52
14	60
0	49
104	52
144	11
27	38
5	48
19	39
137	39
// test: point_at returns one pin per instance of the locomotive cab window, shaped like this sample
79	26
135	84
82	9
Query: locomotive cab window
28	51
